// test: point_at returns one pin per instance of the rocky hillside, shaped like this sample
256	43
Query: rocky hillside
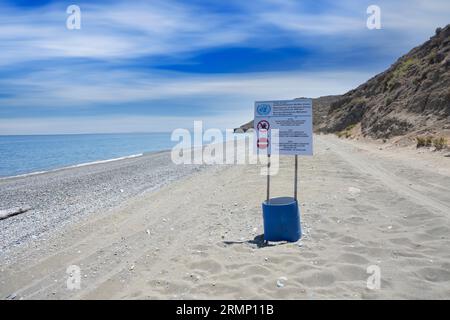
321	108
412	96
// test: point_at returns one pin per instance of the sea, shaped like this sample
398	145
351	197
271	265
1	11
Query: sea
29	154
24	154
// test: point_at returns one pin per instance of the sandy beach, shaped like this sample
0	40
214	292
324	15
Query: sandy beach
196	233
66	196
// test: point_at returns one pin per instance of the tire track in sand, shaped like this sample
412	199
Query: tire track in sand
379	172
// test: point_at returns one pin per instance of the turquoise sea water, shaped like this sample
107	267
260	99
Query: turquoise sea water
26	154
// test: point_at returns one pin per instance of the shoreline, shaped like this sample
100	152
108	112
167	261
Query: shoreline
58	198
22	175
100	161
83	164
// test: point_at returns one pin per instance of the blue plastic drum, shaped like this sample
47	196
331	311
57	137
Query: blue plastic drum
281	219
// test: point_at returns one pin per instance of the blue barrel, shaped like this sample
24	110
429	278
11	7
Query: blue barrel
281	219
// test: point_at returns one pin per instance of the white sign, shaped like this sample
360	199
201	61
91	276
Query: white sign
293	121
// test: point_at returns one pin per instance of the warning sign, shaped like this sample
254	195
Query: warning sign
262	143
287	124
263	125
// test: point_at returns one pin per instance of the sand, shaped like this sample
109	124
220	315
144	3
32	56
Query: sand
61	198
200	237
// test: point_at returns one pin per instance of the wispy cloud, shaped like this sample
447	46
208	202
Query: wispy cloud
112	66
110	124
124	29
52	87
115	30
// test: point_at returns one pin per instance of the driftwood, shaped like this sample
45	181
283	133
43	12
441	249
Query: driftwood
12	212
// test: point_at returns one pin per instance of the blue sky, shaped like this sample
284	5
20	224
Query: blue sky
160	65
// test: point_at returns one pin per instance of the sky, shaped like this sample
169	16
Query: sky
143	66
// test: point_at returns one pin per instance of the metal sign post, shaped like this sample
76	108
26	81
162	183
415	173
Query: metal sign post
268	179
295	177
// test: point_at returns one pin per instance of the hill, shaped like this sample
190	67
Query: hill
410	98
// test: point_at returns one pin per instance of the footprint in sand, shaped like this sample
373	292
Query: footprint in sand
353	259
257	270
351	273
209	266
406	243
257	279
438	231
355	220
318	279
363	208
434	274
347	239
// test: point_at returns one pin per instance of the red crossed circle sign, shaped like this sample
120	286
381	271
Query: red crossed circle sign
263	126
262	143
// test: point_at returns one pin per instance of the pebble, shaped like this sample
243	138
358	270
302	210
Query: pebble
281	282
354	191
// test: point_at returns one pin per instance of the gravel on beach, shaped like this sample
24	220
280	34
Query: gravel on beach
58	198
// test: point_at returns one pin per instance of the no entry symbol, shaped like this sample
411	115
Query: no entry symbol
262	143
